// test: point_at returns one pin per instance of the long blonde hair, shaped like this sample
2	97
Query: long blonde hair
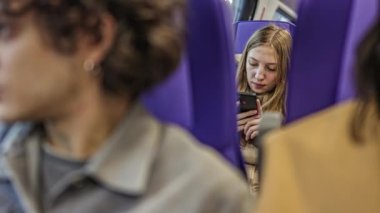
280	40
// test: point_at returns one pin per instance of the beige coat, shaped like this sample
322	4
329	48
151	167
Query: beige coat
315	166
250	155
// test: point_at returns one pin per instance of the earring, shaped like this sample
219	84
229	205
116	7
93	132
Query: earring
89	65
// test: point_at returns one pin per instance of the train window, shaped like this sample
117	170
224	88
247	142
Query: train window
243	9
292	4
281	15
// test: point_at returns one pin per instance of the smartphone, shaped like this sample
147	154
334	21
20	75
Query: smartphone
247	101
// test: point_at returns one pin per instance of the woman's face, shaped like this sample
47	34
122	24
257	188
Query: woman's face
36	82
261	68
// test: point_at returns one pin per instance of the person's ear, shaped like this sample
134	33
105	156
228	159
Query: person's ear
108	29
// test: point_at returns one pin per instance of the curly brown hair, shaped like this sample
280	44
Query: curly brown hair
146	48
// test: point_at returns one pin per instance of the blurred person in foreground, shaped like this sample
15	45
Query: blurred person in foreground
71	72
329	162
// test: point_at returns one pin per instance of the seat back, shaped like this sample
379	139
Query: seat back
323	50
245	29
200	95
363	14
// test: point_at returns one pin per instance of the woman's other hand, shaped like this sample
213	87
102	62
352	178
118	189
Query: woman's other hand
244	117
251	127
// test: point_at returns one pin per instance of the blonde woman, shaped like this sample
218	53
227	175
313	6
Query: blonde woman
262	70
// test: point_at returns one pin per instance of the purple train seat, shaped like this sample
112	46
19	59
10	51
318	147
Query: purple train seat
323	53
244	30
200	95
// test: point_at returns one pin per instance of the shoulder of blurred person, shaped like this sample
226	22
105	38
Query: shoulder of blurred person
158	168
314	165
201	174
198	167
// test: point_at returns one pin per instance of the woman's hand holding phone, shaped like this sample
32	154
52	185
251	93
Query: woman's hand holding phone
243	118
248	122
